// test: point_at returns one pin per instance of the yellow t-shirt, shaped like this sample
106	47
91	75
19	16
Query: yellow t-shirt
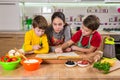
32	39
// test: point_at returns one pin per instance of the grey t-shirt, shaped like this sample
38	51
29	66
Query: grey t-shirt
61	37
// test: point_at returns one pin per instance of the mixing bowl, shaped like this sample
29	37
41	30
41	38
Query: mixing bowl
31	63
10	65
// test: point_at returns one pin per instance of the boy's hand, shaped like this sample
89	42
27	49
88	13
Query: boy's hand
58	50
96	58
36	47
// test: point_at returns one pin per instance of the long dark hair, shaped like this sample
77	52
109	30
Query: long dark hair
59	15
49	30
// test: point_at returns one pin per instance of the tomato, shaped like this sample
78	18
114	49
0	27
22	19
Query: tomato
14	59
85	62
1	59
5	59
8	60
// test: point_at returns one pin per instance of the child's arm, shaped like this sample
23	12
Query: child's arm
27	46
36	47
64	46
45	47
86	50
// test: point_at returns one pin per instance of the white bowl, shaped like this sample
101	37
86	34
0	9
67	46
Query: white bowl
71	65
82	65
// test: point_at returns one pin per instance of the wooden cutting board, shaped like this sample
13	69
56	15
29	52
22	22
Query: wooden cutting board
116	66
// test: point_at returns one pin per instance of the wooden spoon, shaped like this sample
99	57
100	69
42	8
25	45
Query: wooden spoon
21	53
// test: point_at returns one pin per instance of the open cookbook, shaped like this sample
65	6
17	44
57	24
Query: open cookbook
68	55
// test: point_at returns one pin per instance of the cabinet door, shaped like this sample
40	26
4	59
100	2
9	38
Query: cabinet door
19	40
7	42
9	16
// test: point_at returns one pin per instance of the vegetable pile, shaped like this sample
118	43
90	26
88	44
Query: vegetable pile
109	60
105	66
8	59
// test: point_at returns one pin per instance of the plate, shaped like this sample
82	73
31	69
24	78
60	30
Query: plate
79	63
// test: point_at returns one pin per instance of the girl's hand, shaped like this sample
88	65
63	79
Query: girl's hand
68	50
58	50
74	47
36	47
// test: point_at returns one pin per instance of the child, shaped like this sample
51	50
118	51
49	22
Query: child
58	32
87	38
35	40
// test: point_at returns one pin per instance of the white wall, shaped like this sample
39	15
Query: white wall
9	16
74	12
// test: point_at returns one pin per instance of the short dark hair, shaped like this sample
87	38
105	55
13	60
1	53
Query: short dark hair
40	22
91	22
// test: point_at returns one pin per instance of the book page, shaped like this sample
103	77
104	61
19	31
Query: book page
67	54
47	56
56	55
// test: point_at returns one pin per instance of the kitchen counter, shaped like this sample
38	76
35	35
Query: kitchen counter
16	39
106	32
23	32
58	72
109	33
54	69
12	32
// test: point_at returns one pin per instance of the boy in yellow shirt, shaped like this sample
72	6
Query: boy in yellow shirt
35	39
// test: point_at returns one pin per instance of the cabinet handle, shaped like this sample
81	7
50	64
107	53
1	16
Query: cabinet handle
6	37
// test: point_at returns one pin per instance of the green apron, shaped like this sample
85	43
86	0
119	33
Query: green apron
80	45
